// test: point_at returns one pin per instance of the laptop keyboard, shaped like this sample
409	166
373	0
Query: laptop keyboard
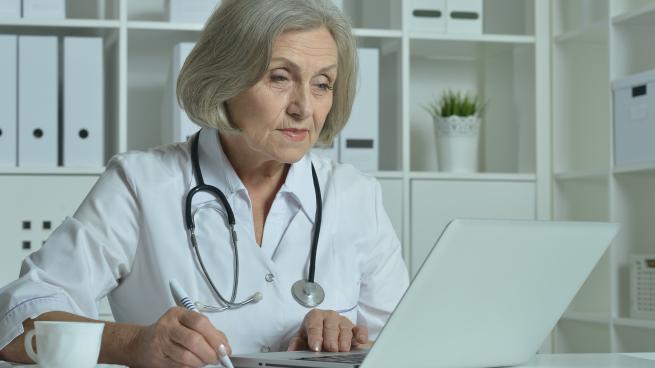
356	358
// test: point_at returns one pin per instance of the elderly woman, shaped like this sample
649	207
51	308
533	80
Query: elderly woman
292	251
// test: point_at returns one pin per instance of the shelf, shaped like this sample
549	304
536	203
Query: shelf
378	33
645	169
632	322
596	32
63	23
464	47
472	177
164	26
582	175
644	16
387	174
597	318
481	38
52	171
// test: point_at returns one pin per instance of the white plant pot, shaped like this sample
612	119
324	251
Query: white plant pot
457	143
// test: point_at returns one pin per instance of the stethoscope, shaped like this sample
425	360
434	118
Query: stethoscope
307	292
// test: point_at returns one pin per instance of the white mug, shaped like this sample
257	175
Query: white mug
65	344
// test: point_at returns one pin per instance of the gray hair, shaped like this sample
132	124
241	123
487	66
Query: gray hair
234	51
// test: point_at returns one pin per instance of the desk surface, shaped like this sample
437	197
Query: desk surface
628	360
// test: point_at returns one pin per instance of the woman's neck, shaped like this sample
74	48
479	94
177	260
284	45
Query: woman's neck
255	172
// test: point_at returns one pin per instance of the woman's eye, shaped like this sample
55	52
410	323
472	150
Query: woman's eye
324	87
278	78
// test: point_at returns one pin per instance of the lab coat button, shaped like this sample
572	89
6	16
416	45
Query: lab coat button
270	277
265	349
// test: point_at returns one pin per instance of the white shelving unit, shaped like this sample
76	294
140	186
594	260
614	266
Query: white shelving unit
593	44
508	65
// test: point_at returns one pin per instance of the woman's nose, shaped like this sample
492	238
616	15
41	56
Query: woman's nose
299	105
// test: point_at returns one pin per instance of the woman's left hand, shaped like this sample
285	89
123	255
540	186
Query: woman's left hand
329	331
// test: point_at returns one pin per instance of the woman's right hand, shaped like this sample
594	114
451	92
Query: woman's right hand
180	338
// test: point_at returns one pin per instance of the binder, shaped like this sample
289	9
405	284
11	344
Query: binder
177	126
83	125
428	16
190	11
9	9
44	9
8	107
359	138
37	101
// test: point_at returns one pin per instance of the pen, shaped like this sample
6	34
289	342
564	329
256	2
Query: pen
183	300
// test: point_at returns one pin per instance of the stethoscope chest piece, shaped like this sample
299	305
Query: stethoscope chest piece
308	294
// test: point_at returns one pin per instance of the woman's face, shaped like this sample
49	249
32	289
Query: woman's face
282	115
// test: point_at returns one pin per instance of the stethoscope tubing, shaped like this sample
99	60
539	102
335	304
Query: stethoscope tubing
310	295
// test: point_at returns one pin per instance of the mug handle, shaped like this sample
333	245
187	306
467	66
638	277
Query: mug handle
28	345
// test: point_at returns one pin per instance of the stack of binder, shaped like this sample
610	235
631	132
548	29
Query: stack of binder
8	107
358	142
32	134
177	126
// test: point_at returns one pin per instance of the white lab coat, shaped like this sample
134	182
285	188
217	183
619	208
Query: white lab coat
128	239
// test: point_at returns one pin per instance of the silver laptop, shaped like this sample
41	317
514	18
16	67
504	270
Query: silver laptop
487	295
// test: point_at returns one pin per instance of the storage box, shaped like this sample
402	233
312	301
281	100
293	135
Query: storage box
642	286
634	119
427	16
464	16
190	11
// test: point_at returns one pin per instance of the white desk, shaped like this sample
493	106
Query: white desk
632	360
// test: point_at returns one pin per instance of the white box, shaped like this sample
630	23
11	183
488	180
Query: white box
359	138
427	16
177	126
37	101
634	119
464	16
83	136
44	9
9	9
8	98
642	286
190	11
331	152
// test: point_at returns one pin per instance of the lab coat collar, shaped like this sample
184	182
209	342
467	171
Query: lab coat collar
300	184
216	168
218	171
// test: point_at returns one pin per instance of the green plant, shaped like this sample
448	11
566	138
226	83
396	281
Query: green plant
455	103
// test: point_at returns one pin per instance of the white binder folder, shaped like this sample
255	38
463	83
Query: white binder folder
83	128
177	126
44	9
37	101
9	9
359	138
8	107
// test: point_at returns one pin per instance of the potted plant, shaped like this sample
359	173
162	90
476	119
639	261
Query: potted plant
457	129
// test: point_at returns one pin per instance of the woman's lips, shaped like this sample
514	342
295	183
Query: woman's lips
295	135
